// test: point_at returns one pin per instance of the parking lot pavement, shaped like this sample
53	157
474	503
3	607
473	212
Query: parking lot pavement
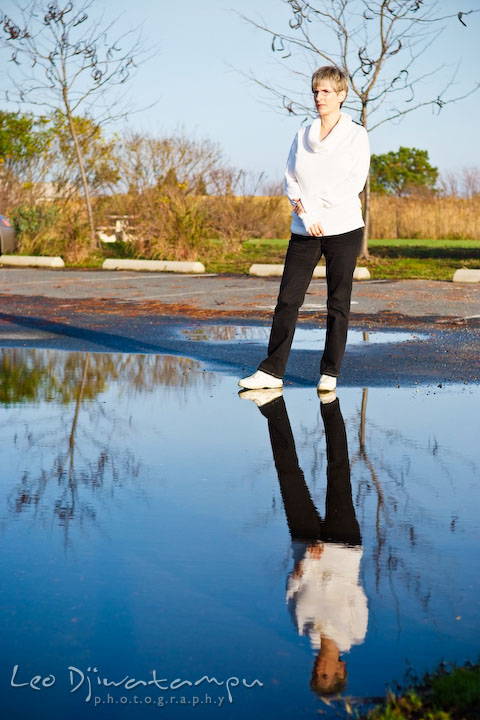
171	314
390	301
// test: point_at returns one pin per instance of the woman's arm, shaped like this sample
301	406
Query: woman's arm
292	188
294	194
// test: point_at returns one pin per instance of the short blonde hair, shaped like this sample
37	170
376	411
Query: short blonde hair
335	75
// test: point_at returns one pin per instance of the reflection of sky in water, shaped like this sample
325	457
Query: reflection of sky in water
304	339
143	527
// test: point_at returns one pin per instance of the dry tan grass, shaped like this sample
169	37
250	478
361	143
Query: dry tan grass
178	226
436	218
418	217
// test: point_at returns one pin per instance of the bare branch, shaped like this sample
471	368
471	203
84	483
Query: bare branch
437	103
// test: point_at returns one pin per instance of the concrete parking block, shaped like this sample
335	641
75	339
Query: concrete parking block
464	275
266	270
32	261
174	266
271	270
320	271
361	273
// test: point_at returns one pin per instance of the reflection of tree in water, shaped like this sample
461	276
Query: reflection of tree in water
85	443
225	333
43	375
390	469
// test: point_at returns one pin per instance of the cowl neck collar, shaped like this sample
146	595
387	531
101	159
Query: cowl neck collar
334	136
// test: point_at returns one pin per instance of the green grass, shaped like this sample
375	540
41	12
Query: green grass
266	242
427	243
408	268
460	688
383	242
398	259
443	695
389	259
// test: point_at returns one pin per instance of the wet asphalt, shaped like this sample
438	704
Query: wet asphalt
150	313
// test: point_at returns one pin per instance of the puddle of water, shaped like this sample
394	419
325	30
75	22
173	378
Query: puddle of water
156	526
304	339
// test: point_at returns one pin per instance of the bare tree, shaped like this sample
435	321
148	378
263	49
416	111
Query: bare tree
148	161
461	183
379	43
64	60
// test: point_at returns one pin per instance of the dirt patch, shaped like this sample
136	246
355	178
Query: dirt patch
63	311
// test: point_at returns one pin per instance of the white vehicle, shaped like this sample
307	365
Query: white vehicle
7	236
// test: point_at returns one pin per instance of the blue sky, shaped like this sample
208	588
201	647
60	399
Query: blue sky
195	78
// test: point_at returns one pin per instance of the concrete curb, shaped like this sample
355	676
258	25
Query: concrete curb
266	270
360	273
175	266
32	261
464	275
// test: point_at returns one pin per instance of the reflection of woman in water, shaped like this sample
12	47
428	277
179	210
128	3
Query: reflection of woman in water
323	591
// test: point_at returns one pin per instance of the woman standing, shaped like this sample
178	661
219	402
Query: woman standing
326	170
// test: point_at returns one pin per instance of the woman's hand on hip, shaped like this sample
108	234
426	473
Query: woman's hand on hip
316	230
298	207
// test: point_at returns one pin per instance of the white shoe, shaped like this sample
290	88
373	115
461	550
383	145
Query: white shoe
328	397
327	383
261	397
260	380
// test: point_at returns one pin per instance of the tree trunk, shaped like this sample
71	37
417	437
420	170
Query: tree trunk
364	254
81	164
366	217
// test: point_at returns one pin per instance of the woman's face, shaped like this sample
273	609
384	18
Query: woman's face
327	100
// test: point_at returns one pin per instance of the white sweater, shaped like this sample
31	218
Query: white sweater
328	175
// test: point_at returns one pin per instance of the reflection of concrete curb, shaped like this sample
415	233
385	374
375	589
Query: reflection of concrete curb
271	270
32	261
177	266
472	276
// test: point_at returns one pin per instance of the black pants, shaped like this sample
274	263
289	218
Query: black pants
303	254
305	524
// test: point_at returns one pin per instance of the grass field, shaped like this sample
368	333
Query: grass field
402	259
376	243
452	694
